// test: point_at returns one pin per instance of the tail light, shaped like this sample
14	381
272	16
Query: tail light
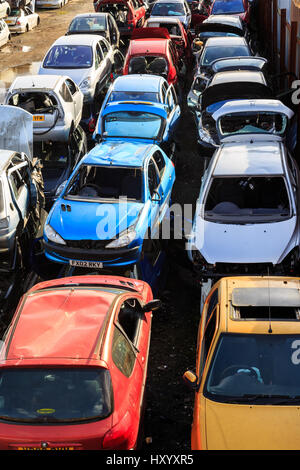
18	22
92	125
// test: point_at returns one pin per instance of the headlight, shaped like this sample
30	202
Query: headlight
52	235
85	84
125	238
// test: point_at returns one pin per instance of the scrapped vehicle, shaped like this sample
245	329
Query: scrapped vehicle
4	8
5	35
54	101
129	14
178	8
103	24
58	160
123	189
225	87
95	402
21	20
247	363
21	183
231	26
153	51
177	33
246	218
50	3
241	8
200	10
254	64
86	59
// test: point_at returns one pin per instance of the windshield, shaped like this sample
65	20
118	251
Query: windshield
256	123
250	368
251	199
228	6
54	395
69	57
136	124
167	9
90	23
105	182
133	96
212	53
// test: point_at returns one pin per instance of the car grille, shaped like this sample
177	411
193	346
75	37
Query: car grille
235	268
87	244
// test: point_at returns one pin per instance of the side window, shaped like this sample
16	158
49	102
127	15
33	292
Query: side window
65	93
28	11
160	161
71	85
99	56
212	303
209	332
153	179
164	91
104	48
122	353
129	318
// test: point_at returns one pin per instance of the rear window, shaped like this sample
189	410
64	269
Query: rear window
213	53
133	96
44	395
90	23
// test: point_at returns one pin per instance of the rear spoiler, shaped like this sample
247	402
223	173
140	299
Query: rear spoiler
150	33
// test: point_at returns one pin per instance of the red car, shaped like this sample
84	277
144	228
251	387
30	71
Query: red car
151	50
232	7
129	14
74	365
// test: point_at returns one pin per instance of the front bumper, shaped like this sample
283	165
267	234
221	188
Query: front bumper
109	257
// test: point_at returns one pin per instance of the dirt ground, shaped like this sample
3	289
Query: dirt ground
169	403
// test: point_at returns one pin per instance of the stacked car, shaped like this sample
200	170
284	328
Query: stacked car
99	147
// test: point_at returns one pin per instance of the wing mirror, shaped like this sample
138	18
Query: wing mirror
156	197
190	379
153	305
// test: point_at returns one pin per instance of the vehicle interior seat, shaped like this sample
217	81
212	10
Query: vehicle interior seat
157	66
137	65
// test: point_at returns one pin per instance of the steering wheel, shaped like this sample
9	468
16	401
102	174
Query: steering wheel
233	369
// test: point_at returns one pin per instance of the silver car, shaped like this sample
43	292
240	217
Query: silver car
86	58
55	103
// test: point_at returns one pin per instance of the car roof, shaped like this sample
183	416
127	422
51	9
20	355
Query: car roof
148	46
233	288
47	82
136	82
77	40
224	19
118	153
54	323
242	159
226	41
238	76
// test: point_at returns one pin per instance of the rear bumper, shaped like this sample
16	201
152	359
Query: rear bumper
109	257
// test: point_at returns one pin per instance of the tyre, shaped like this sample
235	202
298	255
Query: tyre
27	28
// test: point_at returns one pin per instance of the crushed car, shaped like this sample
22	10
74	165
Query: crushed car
129	14
54	101
246	219
124	190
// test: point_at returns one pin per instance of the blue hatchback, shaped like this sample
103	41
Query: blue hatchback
114	201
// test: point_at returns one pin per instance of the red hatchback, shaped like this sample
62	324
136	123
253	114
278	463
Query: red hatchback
129	14
151	50
74	365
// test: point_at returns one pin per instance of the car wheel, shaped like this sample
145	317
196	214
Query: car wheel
38	21
27	28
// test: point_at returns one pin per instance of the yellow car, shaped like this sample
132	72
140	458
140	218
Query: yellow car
247	381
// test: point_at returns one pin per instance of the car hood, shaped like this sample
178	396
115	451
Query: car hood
245	427
77	75
255	243
68	224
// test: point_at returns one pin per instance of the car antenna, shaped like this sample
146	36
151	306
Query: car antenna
270	326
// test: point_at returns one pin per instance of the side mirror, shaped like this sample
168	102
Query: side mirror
156	197
152	306
190	379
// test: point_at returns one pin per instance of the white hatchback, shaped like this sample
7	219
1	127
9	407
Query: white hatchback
246	218
55	103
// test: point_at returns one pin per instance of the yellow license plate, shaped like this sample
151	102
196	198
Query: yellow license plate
45	448
39	118
8	22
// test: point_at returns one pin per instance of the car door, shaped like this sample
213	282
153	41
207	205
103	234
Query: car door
173	108
108	55
166	180
77	100
17	178
155	195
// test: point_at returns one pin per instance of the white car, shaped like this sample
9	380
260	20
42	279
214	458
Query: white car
54	101
22	20
50	3
4	33
4	8
247	216
87	59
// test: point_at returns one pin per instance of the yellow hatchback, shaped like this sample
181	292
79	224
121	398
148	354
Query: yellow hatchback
247	381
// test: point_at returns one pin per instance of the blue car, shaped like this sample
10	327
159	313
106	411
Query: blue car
146	116
112	206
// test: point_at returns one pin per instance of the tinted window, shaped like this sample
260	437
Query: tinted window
228	6
90	23
212	53
122	353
